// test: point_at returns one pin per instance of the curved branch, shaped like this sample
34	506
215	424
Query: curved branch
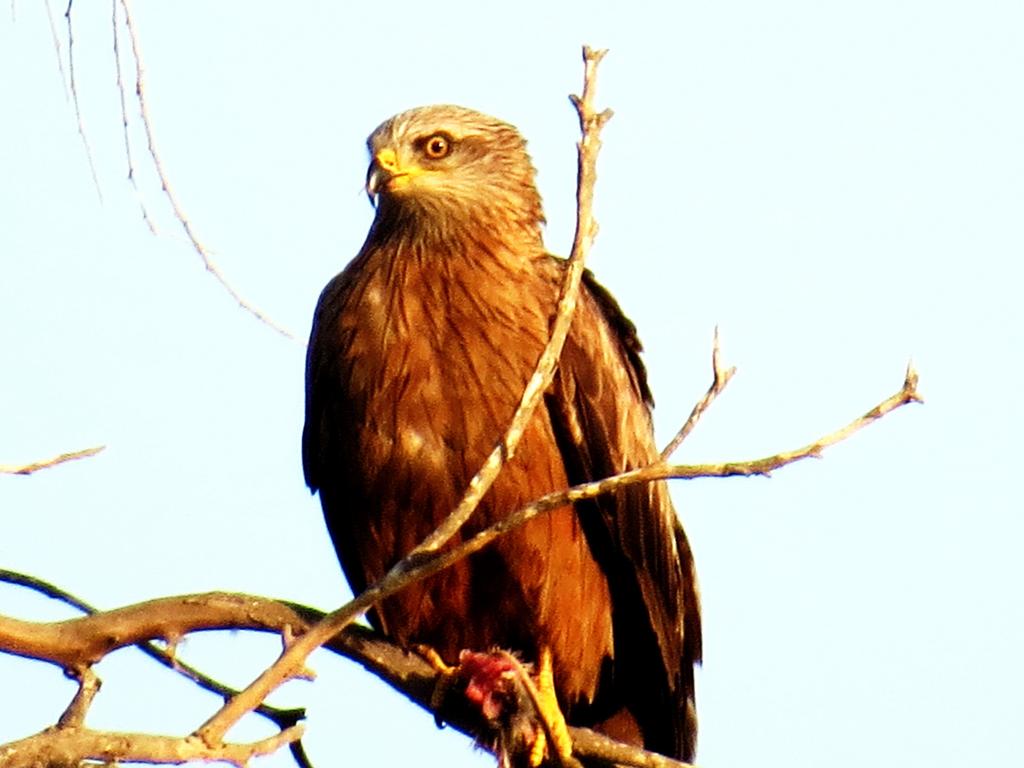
68	747
77	642
83	641
179	213
280	717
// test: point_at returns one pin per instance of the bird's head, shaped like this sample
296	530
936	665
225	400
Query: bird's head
451	165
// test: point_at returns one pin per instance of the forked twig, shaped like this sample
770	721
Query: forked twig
664	471
280	717
719	380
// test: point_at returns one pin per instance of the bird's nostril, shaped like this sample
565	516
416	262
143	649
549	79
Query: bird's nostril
387	159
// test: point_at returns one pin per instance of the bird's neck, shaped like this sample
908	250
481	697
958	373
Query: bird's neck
451	231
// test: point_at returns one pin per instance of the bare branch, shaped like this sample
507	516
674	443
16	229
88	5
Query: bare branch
590	745
407	571
79	642
281	717
28	469
719	380
67	747
124	118
74	99
44	588
586	230
88	687
56	48
85	640
179	213
663	471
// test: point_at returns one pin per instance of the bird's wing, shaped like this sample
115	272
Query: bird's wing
326	448
321	375
600	408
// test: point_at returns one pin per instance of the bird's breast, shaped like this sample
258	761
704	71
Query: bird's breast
438	354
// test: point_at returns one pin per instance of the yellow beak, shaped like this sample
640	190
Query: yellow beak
386	173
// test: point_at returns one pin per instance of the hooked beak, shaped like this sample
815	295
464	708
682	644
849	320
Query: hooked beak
385	173
376	177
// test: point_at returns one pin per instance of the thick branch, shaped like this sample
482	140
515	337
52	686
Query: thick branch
68	747
78	642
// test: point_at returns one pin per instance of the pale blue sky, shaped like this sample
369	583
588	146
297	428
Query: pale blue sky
839	186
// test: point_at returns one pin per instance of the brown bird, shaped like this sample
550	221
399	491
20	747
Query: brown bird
419	354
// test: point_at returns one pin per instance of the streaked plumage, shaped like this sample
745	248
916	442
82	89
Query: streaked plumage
419	353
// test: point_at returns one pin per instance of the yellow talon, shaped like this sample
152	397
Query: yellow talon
433	658
443	684
537	752
549	711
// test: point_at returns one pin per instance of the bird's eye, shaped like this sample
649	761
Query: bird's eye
437	146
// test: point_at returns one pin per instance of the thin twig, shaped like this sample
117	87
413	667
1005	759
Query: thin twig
179	213
74	100
28	469
56	48
663	471
124	119
399	577
586	230
44	588
719	380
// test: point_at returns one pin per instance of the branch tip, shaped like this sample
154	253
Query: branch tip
910	384
28	469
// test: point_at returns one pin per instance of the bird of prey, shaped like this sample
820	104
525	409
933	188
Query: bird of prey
419	353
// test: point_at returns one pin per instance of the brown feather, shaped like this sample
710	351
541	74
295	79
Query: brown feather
419	353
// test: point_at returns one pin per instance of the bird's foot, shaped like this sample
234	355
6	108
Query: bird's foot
554	726
502	689
433	658
444	682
